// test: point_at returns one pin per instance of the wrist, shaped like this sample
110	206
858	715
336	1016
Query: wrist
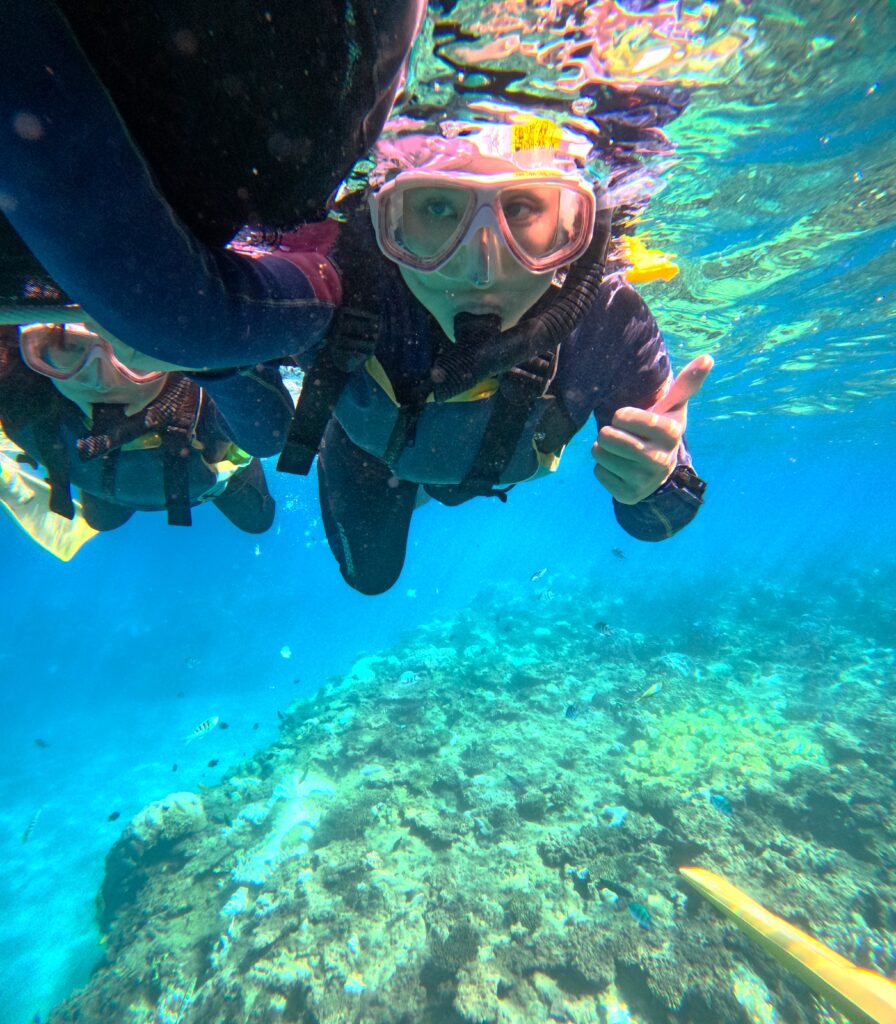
684	479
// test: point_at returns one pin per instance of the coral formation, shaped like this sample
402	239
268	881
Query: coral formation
436	838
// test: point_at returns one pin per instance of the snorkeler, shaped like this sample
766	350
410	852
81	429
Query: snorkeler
130	440
483	370
135	141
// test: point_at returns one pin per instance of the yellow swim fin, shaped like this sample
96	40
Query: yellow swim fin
646	264
27	499
865	997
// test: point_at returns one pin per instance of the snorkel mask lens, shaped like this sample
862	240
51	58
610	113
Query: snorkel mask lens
422	218
62	351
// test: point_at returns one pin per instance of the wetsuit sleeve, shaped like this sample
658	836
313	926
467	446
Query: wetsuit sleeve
255	406
78	192
630	365
669	509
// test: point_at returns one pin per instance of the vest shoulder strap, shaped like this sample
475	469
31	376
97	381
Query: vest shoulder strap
174	414
31	403
351	341
520	389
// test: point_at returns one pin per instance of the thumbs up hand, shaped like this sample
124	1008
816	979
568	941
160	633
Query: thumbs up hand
639	450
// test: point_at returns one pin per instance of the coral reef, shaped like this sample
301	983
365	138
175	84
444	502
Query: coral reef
437	838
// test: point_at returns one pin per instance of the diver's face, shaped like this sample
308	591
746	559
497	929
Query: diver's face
483	276
101	382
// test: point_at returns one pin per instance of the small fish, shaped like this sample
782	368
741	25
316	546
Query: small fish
255	726
179	695
114	816
720	803
223	725
41	743
517	784
607	896
604	628
281	716
620	890
642	915
537	575
202	728
213	762
192	662
174	767
29	828
547	595
618	552
409	678
651	691
286	651
571	712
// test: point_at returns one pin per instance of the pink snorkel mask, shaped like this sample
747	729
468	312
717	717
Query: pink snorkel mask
62	351
521	182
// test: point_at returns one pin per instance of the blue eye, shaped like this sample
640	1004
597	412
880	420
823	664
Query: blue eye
440	208
436	204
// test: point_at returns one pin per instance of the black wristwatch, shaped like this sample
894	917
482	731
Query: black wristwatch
683	478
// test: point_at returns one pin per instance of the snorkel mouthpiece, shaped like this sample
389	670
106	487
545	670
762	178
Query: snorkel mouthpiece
473	333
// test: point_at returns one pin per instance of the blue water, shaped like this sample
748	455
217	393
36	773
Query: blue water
113	659
97	652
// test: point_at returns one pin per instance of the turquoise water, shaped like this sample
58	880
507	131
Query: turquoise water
775	606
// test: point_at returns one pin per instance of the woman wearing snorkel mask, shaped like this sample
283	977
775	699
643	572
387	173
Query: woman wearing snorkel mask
468	371
130	439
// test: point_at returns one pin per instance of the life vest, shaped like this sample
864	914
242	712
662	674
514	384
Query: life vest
496	433
493	435
488	436
118	456
26	498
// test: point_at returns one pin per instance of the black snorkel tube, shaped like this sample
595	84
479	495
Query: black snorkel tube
482	350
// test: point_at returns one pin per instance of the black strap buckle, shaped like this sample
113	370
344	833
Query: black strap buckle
352	338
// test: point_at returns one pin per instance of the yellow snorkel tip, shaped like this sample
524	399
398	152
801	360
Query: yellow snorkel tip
865	997
646	264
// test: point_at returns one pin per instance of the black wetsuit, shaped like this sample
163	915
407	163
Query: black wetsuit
617	357
135	142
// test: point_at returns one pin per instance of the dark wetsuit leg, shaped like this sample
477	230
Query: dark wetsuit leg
246	500
224	99
104	515
366	512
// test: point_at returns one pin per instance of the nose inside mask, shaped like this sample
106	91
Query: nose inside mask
99	373
482	258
